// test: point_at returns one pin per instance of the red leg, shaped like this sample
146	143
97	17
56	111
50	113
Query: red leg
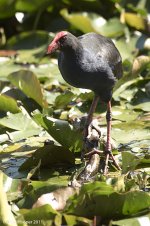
90	115
108	151
109	119
88	121
108	144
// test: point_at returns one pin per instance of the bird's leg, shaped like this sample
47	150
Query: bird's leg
108	144
90	115
88	121
109	119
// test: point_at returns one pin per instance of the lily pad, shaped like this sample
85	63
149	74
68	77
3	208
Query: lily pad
27	82
6	216
95	199
130	52
30	6
28	40
7	68
127	132
61	131
49	155
124	114
82	21
63	99
112	28
130	161
44	215
8	104
135	20
50	72
142	106
19	121
92	22
136	221
7	8
125	87
75	220
14	187
23	134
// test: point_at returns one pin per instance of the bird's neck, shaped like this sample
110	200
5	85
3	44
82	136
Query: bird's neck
74	50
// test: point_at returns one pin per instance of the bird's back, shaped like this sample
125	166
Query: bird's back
91	61
103	49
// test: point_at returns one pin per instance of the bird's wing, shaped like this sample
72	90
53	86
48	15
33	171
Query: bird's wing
103	49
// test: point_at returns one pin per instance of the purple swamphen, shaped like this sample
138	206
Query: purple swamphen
90	61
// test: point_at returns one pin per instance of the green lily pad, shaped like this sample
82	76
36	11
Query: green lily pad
130	161
48	71
30	6
7	8
124	114
18	121
28	40
8	104
35	189
27	82
82	21
49	155
129	132
95	199
75	220
136	221
6	215
142	106
51	97
13	187
92	22
130	52
63	99
112	28
135	20
125	87
21	122
30	56
44	215
23	134
7	68
61	131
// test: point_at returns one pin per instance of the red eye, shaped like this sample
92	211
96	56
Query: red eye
62	39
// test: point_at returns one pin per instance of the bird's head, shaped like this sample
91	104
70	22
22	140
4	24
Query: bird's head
57	42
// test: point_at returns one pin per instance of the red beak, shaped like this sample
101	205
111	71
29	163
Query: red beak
52	47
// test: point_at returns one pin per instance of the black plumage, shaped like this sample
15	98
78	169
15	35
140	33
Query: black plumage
90	61
93	62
